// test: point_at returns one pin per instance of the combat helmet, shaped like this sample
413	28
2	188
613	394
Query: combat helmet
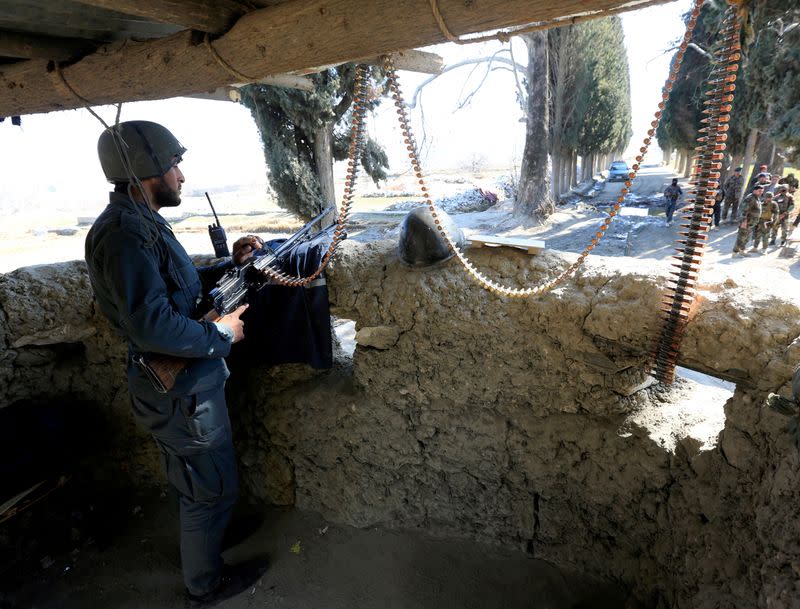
420	242
150	149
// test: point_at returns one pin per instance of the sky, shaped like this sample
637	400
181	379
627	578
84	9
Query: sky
51	161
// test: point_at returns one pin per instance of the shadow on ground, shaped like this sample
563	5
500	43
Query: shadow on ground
313	565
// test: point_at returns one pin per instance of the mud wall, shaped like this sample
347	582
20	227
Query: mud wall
463	413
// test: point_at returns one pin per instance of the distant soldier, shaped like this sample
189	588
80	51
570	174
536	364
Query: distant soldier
733	191
785	203
766	220
790	181
762	177
671	194
751	212
773	185
713	221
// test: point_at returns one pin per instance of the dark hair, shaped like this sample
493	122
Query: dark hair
121	187
674	180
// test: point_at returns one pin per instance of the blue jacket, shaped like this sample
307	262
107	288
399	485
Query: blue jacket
148	288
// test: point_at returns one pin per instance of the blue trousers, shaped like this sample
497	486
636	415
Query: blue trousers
671	205
194	437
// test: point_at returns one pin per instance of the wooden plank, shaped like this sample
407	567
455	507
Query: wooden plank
410	60
232	93
415	61
273	40
213	16
634	211
532	246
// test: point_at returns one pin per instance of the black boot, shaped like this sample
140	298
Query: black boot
234	580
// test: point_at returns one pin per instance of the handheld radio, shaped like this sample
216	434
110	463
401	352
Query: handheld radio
217	234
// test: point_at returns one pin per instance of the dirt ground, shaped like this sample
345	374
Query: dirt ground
122	552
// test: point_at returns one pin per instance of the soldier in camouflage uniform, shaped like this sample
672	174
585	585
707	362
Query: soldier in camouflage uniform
785	203
733	191
767	218
750	216
790	181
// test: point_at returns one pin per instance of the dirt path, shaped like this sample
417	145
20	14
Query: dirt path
573	225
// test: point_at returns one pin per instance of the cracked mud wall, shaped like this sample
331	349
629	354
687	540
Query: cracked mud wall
466	414
57	348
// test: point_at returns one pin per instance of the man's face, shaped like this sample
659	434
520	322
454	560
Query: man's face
774	179
167	189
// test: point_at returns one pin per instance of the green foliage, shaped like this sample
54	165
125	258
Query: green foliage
292	122
602	119
781	81
683	112
767	96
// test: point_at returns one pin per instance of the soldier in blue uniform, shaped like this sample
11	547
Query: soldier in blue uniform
148	288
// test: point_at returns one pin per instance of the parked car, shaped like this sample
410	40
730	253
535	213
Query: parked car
619	170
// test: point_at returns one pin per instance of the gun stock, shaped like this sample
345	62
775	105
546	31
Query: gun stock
163	370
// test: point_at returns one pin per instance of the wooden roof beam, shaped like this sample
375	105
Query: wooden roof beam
212	16
34	46
275	40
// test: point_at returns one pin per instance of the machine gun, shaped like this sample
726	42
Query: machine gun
229	293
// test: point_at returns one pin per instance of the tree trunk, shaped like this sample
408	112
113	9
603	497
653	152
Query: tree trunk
573	171
323	159
688	161
586	167
533	196
568	173
747	168
555	177
666	157
778	161
765	151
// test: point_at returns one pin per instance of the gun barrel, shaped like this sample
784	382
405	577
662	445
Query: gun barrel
298	237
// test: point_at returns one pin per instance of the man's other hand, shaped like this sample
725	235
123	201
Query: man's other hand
244	247
234	323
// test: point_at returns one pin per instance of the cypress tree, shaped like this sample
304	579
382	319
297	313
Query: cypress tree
604	108
302	134
767	89
580	98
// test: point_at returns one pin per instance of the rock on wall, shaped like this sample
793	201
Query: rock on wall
511	421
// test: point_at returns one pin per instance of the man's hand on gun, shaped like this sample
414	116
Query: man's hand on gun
234	323
244	247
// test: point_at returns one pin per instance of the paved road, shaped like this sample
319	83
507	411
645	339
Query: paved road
573	226
650	182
